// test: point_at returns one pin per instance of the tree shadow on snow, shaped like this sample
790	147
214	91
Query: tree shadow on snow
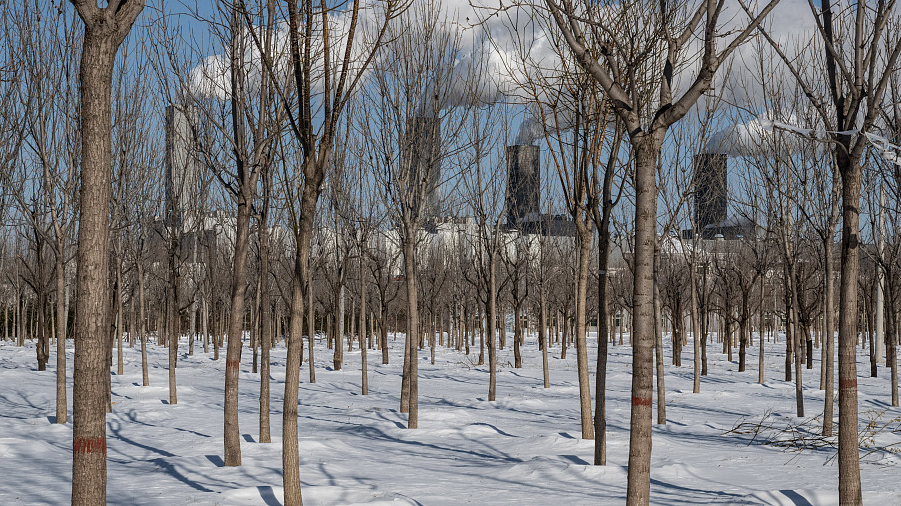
796	498
268	496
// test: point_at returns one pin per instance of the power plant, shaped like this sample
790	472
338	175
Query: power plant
182	166
710	193
711	202
423	135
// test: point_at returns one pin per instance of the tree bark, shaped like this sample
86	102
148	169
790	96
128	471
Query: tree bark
61	321
363	333
581	329
639	475
848	445
542	335
491	317
696	382
265	320
658	349
231	432
105	29
311	330
411	368
145	376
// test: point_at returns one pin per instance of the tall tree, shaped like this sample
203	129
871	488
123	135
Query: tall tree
416	115
105	28
858	76
337	62
647	112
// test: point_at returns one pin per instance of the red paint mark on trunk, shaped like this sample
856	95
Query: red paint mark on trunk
232	364
845	384
89	445
638	401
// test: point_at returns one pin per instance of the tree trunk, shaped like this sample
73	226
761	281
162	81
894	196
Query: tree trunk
104	31
742	341
145	375
256	325
302	280
639	474
120	321
581	330
760	357
789	317
411	365
231	432
265	331
491	317
311	330
517	336
658	350
383	331
696	382
290	449
363	334
338	357
796	343
705	336
174	316
205	323
891	346
61	320
600	380
848	445
542	335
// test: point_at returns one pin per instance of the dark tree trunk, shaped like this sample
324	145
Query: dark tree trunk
265	317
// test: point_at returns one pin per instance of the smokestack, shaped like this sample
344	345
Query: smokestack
522	184
181	161
710	192
422	138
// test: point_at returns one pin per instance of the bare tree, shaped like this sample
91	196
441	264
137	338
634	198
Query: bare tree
343	57
647	120
414	128
858	76
105	28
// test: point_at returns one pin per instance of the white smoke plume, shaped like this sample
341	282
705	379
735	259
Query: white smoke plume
537	121
758	136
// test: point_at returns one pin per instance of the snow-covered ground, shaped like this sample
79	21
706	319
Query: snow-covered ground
524	449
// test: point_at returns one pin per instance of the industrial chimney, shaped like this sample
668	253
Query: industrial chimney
181	161
710	195
523	184
423	134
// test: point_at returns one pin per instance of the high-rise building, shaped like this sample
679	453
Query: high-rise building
710	193
523	184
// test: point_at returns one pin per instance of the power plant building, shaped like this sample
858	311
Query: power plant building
523	184
182	166
421	146
711	202
710	192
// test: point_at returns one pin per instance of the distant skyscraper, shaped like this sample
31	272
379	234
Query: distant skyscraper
182	167
710	197
523	184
